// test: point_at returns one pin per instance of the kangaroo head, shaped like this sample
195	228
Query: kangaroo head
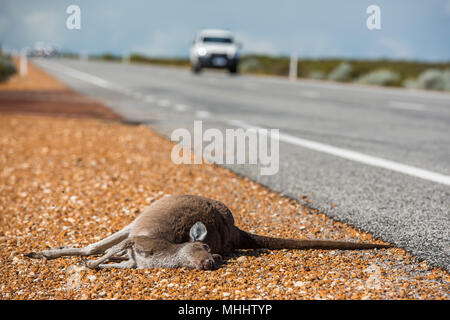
197	253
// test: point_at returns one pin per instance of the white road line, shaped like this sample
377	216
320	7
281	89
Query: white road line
163	103
202	114
97	81
84	76
406	105
181	107
355	156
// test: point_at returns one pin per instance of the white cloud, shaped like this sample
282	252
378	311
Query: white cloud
256	45
47	25
163	43
24	29
396	48
318	45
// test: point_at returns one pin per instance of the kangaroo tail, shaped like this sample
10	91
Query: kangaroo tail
253	241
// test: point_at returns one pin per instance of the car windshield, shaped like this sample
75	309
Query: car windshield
217	40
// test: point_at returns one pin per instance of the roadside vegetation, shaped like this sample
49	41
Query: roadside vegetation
395	73
7	67
382	72
180	62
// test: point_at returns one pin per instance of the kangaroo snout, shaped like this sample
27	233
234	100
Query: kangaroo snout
207	264
200	255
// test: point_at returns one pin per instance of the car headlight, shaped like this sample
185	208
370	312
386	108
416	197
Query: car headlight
201	51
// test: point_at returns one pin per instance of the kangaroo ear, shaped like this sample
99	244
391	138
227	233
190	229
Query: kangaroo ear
198	232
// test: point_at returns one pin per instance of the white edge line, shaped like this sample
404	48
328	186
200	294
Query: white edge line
202	114
82	76
356	156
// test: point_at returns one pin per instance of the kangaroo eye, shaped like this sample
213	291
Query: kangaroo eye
205	247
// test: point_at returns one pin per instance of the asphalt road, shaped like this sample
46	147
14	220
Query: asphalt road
376	158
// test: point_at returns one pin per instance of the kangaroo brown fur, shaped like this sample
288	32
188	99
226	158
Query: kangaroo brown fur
184	231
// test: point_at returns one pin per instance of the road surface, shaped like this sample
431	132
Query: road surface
376	158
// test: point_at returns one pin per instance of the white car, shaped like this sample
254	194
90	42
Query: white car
214	48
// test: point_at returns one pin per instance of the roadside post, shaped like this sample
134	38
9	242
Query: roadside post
23	66
126	58
293	67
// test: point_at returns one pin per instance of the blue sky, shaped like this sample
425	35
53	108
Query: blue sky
410	29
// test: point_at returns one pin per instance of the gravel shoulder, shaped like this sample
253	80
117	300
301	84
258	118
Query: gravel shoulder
66	180
40	94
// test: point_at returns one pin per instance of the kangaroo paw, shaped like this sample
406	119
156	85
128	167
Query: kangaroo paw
89	264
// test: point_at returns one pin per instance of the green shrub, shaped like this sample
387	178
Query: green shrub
7	68
110	57
316	75
266	64
410	83
434	79
250	65
447	80
343	72
163	61
381	77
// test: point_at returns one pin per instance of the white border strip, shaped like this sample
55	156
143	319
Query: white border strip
83	76
355	156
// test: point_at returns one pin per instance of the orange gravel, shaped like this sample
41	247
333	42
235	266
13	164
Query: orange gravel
35	79
39	93
73	181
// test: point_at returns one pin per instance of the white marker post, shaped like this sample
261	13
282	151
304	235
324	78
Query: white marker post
23	63
293	67
84	55
126	58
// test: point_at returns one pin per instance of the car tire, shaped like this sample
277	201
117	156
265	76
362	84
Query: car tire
196	68
233	69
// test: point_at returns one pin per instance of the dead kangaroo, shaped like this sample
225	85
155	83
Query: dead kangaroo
184	231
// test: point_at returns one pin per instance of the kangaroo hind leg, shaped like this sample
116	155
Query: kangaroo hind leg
111	252
94	248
